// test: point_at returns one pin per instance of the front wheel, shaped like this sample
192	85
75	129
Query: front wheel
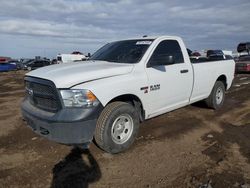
217	96
117	127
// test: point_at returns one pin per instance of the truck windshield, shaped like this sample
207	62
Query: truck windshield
128	51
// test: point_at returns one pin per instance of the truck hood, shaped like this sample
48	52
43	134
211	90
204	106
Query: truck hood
70	74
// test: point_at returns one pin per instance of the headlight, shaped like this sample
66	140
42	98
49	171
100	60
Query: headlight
78	98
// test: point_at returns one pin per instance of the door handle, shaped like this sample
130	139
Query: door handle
184	71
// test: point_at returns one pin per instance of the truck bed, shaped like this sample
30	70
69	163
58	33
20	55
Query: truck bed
205	59
205	74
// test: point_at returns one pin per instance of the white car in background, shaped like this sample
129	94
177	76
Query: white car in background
68	58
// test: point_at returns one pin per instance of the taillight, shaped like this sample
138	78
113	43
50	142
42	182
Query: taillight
248	67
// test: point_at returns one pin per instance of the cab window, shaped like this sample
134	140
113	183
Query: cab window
166	50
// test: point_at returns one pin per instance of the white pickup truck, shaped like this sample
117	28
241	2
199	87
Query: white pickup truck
122	84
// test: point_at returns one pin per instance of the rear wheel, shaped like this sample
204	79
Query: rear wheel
217	96
117	127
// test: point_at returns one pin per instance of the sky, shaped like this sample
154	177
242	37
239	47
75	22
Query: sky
30	28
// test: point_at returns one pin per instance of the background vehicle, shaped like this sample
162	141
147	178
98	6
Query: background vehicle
211	55
25	62
54	61
243	64
17	63
35	64
196	54
189	52
244	47
215	55
4	59
69	58
7	67
123	83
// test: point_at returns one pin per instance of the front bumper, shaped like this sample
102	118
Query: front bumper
67	126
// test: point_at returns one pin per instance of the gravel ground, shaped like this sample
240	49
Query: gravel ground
190	147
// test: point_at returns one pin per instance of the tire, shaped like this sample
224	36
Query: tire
217	96
117	127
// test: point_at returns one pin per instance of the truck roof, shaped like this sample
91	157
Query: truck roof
155	37
150	38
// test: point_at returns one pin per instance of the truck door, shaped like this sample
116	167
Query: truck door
170	78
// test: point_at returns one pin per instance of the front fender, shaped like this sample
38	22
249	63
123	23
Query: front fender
109	88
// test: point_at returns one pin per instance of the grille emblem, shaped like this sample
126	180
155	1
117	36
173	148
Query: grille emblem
30	92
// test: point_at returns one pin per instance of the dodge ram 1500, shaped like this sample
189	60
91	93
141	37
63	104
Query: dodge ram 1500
122	84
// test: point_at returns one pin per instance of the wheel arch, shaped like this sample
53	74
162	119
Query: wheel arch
134	100
223	79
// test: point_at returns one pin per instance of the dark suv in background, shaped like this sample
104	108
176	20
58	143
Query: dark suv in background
35	64
215	55
244	47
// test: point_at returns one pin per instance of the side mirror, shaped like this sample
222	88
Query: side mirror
161	60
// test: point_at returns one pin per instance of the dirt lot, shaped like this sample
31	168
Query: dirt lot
189	147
